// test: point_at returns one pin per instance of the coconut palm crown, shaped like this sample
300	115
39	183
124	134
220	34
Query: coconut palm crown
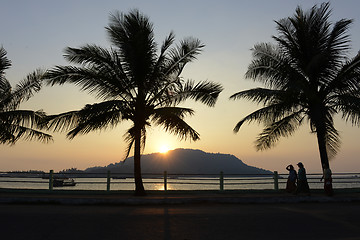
308	78
135	82
16	124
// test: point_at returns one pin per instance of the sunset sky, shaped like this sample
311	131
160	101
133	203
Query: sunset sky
35	33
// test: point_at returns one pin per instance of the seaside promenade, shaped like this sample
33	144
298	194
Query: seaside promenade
179	215
172	197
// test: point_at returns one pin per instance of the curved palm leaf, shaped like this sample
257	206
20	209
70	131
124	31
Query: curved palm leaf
22	124
26	88
283	128
92	117
171	119
205	92
5	63
349	105
259	95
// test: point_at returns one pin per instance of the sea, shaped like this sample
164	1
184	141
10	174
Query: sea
177	183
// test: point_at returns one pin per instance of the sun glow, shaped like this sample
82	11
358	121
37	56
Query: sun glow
164	149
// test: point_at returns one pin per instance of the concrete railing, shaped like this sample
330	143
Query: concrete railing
220	181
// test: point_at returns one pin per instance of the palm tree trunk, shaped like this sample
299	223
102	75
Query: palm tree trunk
321	133
139	186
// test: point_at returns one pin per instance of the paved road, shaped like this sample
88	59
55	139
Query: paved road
185	221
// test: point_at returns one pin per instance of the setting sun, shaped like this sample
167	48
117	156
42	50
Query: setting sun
164	149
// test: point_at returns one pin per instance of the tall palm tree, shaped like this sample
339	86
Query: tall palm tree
134	82
308	76
18	124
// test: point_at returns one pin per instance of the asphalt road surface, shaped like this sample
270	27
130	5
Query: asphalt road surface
183	221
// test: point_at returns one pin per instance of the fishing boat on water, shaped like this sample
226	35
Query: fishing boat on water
68	182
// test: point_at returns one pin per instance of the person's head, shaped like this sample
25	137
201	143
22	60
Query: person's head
300	165
290	167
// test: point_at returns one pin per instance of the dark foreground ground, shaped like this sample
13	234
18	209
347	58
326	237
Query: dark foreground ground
178	215
181	221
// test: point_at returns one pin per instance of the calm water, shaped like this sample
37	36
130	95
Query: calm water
183	183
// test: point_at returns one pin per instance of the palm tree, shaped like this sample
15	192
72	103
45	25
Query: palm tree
308	77
18	124
134	82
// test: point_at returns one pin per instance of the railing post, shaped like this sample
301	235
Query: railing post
108	181
51	180
221	181
276	181
165	181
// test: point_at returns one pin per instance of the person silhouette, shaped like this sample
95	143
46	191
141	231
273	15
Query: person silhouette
302	184
327	180
292	178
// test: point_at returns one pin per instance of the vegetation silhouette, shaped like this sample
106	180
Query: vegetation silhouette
183	161
308	76
18	124
134	82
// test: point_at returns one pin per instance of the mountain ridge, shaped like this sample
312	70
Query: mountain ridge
184	161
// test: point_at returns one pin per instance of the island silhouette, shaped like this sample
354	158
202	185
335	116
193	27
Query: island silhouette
183	161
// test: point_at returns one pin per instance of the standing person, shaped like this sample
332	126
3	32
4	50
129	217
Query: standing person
291	181
327	180
302	185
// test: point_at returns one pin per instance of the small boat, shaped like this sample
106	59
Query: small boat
64	182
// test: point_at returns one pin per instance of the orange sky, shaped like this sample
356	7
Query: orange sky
39	31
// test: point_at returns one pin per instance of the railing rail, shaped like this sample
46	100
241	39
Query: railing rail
221	180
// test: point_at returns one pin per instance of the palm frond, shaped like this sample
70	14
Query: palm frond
339	39
6	96
182	54
25	118
129	137
161	61
26	88
62	122
204	92
165	80
5	63
171	119
333	141
349	105
273	68
133	35
90	55
97	83
259	95
99	116
92	117
347	79
107	62
169	40
322	123
11	133
271	113
283	128
157	76
6	133
123	27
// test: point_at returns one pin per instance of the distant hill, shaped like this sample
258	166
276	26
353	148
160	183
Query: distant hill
184	161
